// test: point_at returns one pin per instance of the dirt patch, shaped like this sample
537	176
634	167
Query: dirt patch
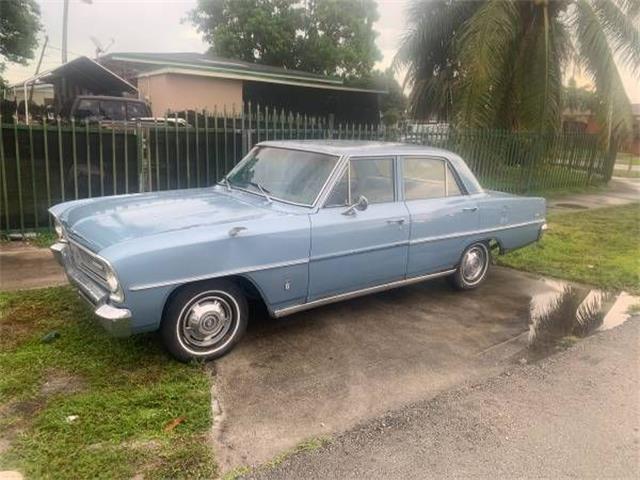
61	382
20	413
5	445
21	320
573	206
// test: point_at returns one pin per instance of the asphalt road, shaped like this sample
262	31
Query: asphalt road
576	414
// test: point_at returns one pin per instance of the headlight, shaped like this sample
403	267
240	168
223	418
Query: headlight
112	281
117	295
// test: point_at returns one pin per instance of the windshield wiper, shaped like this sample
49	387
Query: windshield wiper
263	190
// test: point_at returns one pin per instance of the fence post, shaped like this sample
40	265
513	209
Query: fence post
33	176
142	165
5	196
75	158
610	161
248	141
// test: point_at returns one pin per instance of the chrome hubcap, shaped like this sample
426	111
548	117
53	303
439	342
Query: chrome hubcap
207	321
473	264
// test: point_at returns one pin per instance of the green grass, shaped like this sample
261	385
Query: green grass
124	392
44	239
598	247
626	173
625	158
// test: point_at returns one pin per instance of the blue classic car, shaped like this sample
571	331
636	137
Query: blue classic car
296	225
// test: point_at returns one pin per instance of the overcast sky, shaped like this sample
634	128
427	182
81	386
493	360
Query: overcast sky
158	26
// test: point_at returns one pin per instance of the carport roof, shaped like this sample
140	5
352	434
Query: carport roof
88	72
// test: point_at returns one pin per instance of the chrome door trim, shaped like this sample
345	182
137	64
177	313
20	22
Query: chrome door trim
268	266
357	293
356	251
332	181
417	241
223	273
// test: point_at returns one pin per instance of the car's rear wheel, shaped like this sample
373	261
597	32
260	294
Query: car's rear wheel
204	321
473	267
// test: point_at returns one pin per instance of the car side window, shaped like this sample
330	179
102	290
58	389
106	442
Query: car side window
453	189
339	196
428	178
372	178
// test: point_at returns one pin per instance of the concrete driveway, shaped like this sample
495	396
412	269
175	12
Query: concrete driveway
325	370
23	266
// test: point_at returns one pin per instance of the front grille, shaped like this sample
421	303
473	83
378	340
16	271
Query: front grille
88	264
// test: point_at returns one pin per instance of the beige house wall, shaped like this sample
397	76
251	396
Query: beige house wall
176	92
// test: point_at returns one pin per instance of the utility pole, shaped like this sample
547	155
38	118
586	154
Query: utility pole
44	47
65	22
65	26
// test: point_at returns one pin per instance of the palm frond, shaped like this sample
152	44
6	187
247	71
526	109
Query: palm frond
486	46
537	87
598	61
427	51
622	32
631	8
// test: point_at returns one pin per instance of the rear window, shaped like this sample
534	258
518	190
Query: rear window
136	110
112	110
87	109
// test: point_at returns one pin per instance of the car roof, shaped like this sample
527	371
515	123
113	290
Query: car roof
356	147
375	148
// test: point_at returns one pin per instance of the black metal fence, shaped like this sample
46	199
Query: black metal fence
42	165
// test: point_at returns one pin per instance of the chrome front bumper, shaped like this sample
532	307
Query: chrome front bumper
116	320
543	228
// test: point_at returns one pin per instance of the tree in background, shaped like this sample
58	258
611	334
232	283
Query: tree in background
19	27
500	64
327	37
579	99
393	103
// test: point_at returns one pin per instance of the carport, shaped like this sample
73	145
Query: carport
81	76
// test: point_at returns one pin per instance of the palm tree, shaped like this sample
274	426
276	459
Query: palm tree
501	63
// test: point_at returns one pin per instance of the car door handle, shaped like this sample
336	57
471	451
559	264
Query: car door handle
396	221
236	230
469	209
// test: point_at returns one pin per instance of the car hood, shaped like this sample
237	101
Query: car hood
102	222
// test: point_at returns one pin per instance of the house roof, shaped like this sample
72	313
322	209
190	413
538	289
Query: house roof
193	63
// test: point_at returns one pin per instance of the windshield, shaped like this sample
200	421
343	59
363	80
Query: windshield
289	175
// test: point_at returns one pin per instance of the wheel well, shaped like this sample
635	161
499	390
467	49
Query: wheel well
494	246
248	288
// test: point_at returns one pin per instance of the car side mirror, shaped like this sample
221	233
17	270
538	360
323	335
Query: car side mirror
361	204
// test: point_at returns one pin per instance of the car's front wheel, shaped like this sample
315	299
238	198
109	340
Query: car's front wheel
204	321
473	267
